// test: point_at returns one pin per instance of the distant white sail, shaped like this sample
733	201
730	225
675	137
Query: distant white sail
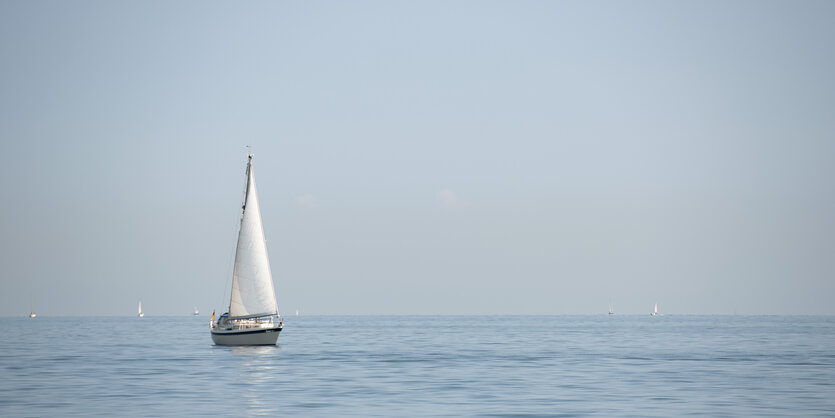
252	282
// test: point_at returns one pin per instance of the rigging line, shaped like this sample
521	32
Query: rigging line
230	269
230	266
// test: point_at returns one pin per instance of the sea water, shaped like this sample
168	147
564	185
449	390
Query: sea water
602	365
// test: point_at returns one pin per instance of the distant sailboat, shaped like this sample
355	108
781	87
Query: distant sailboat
611	310
196	312
141	314
297	312
253	317
32	313
655	310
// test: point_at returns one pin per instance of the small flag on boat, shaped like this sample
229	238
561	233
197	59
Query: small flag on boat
213	316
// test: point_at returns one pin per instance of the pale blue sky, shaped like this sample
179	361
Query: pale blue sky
472	157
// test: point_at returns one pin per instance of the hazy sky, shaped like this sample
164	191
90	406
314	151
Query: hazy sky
422	157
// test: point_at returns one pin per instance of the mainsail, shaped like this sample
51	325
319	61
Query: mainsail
252	283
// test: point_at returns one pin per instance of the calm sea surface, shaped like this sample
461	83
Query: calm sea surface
426	365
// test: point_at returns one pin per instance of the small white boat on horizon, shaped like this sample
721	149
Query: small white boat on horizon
611	310
141	314
252	318
655	310
32	314
196	312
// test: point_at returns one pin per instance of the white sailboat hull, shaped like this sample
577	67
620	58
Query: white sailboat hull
265	336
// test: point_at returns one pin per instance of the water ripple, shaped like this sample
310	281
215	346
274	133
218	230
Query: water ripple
394	366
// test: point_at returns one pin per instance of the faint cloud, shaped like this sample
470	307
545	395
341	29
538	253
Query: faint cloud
448	199
307	201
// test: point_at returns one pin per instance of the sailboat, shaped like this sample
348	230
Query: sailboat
196	312
141	314
32	313
252	318
611	310
655	310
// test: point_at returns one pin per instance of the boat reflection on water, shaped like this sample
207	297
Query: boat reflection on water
256	370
